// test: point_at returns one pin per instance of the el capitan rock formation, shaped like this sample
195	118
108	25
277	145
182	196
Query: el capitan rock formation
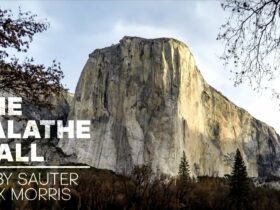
148	102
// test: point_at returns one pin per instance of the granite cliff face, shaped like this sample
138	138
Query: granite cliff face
148	103
45	147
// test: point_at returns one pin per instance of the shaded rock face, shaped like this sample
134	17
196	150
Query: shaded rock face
148	103
45	147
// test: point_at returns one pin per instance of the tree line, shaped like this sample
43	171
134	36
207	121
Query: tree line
144	190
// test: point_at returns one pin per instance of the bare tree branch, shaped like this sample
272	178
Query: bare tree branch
252	40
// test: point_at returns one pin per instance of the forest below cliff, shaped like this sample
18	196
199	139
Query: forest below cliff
143	189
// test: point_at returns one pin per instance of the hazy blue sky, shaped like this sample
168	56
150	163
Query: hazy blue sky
79	27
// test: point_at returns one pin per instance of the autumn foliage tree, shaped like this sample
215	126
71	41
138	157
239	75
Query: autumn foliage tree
35	83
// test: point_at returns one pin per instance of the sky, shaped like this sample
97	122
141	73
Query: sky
79	27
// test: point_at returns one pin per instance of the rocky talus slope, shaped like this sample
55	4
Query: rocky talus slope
148	102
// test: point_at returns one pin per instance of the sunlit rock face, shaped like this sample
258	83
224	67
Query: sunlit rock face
148	102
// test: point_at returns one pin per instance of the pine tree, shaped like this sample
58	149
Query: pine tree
239	181
183	184
184	171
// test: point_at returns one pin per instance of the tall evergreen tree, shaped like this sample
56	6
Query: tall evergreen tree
239	182
183	184
184	171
